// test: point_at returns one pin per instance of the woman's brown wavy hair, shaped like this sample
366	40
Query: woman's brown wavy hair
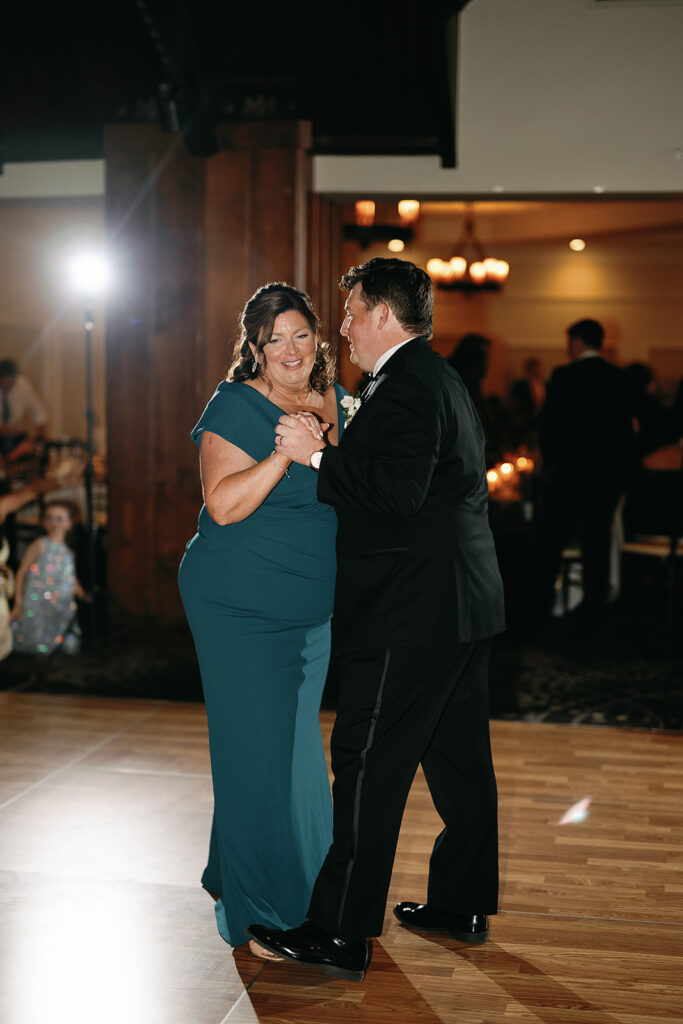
256	322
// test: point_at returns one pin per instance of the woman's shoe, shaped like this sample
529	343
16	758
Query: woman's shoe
261	953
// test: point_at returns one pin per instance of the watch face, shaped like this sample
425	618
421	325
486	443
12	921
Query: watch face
315	460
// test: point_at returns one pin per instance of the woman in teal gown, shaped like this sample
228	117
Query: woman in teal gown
257	584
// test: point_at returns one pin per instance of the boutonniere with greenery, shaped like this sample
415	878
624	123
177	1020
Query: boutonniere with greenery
350	405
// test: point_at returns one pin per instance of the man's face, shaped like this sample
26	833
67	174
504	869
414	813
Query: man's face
359	330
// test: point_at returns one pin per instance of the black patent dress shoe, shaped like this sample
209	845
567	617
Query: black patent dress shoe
470	928
340	958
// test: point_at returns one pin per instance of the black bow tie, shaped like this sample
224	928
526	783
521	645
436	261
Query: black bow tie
372	380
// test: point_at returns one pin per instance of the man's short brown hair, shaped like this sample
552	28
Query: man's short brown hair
405	288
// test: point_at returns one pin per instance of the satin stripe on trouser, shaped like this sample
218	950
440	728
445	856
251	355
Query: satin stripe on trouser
399	707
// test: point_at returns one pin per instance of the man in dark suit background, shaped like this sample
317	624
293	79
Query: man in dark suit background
525	401
418	598
586	441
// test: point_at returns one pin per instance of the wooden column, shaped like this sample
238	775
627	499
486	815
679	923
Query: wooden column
192	238
324	270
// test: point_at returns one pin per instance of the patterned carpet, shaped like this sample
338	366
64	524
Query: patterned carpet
631	676
538	684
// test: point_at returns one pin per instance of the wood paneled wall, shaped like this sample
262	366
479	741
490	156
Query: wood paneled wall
196	237
324	266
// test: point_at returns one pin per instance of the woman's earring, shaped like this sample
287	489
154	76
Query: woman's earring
254	366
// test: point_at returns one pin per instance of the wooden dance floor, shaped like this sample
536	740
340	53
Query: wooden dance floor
104	820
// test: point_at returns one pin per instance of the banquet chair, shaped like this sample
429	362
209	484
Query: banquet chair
656	528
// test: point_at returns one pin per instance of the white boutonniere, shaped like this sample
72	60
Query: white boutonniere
350	405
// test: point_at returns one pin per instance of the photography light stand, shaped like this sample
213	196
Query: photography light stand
90	277
89	478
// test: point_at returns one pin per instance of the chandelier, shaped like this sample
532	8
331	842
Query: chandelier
469	270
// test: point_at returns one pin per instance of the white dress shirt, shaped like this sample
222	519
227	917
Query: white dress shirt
316	457
388	354
22	401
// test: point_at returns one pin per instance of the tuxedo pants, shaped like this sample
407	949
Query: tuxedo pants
399	707
570	516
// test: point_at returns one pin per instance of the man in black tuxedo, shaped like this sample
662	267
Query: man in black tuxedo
586	440
418	598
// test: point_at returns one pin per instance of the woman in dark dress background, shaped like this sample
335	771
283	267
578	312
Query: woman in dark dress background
257	584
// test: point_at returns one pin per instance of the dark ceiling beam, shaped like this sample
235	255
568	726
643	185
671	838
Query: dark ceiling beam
381	84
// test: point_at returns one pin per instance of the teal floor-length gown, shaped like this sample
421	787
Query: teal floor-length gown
258	597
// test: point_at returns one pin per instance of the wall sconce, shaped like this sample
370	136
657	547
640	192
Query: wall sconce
365	213
408	210
364	231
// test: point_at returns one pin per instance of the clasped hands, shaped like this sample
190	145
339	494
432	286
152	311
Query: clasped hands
300	435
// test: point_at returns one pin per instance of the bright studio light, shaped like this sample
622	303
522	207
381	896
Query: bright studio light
577	244
89	273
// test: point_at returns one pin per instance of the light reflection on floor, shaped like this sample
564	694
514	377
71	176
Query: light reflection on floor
86	953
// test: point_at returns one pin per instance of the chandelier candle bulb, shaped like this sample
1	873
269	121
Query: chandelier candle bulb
436	268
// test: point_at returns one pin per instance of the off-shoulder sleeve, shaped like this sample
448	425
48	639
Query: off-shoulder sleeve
230	415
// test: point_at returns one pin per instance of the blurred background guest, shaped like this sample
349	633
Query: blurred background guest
587	446
525	400
23	415
44	616
653	426
677	412
471	359
652	505
9	503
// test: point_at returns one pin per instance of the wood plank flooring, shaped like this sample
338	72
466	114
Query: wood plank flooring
105	810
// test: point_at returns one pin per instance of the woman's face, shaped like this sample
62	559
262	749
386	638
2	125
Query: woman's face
290	354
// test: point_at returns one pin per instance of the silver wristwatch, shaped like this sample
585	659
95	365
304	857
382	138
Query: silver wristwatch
315	460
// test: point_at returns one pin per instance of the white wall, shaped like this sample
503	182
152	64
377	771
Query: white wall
52	179
554	96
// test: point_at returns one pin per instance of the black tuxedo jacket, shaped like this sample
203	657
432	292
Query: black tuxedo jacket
416	562
585	428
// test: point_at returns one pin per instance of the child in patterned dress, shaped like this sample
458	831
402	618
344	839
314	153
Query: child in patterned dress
44	612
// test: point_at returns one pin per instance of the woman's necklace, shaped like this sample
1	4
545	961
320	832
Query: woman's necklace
295	401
